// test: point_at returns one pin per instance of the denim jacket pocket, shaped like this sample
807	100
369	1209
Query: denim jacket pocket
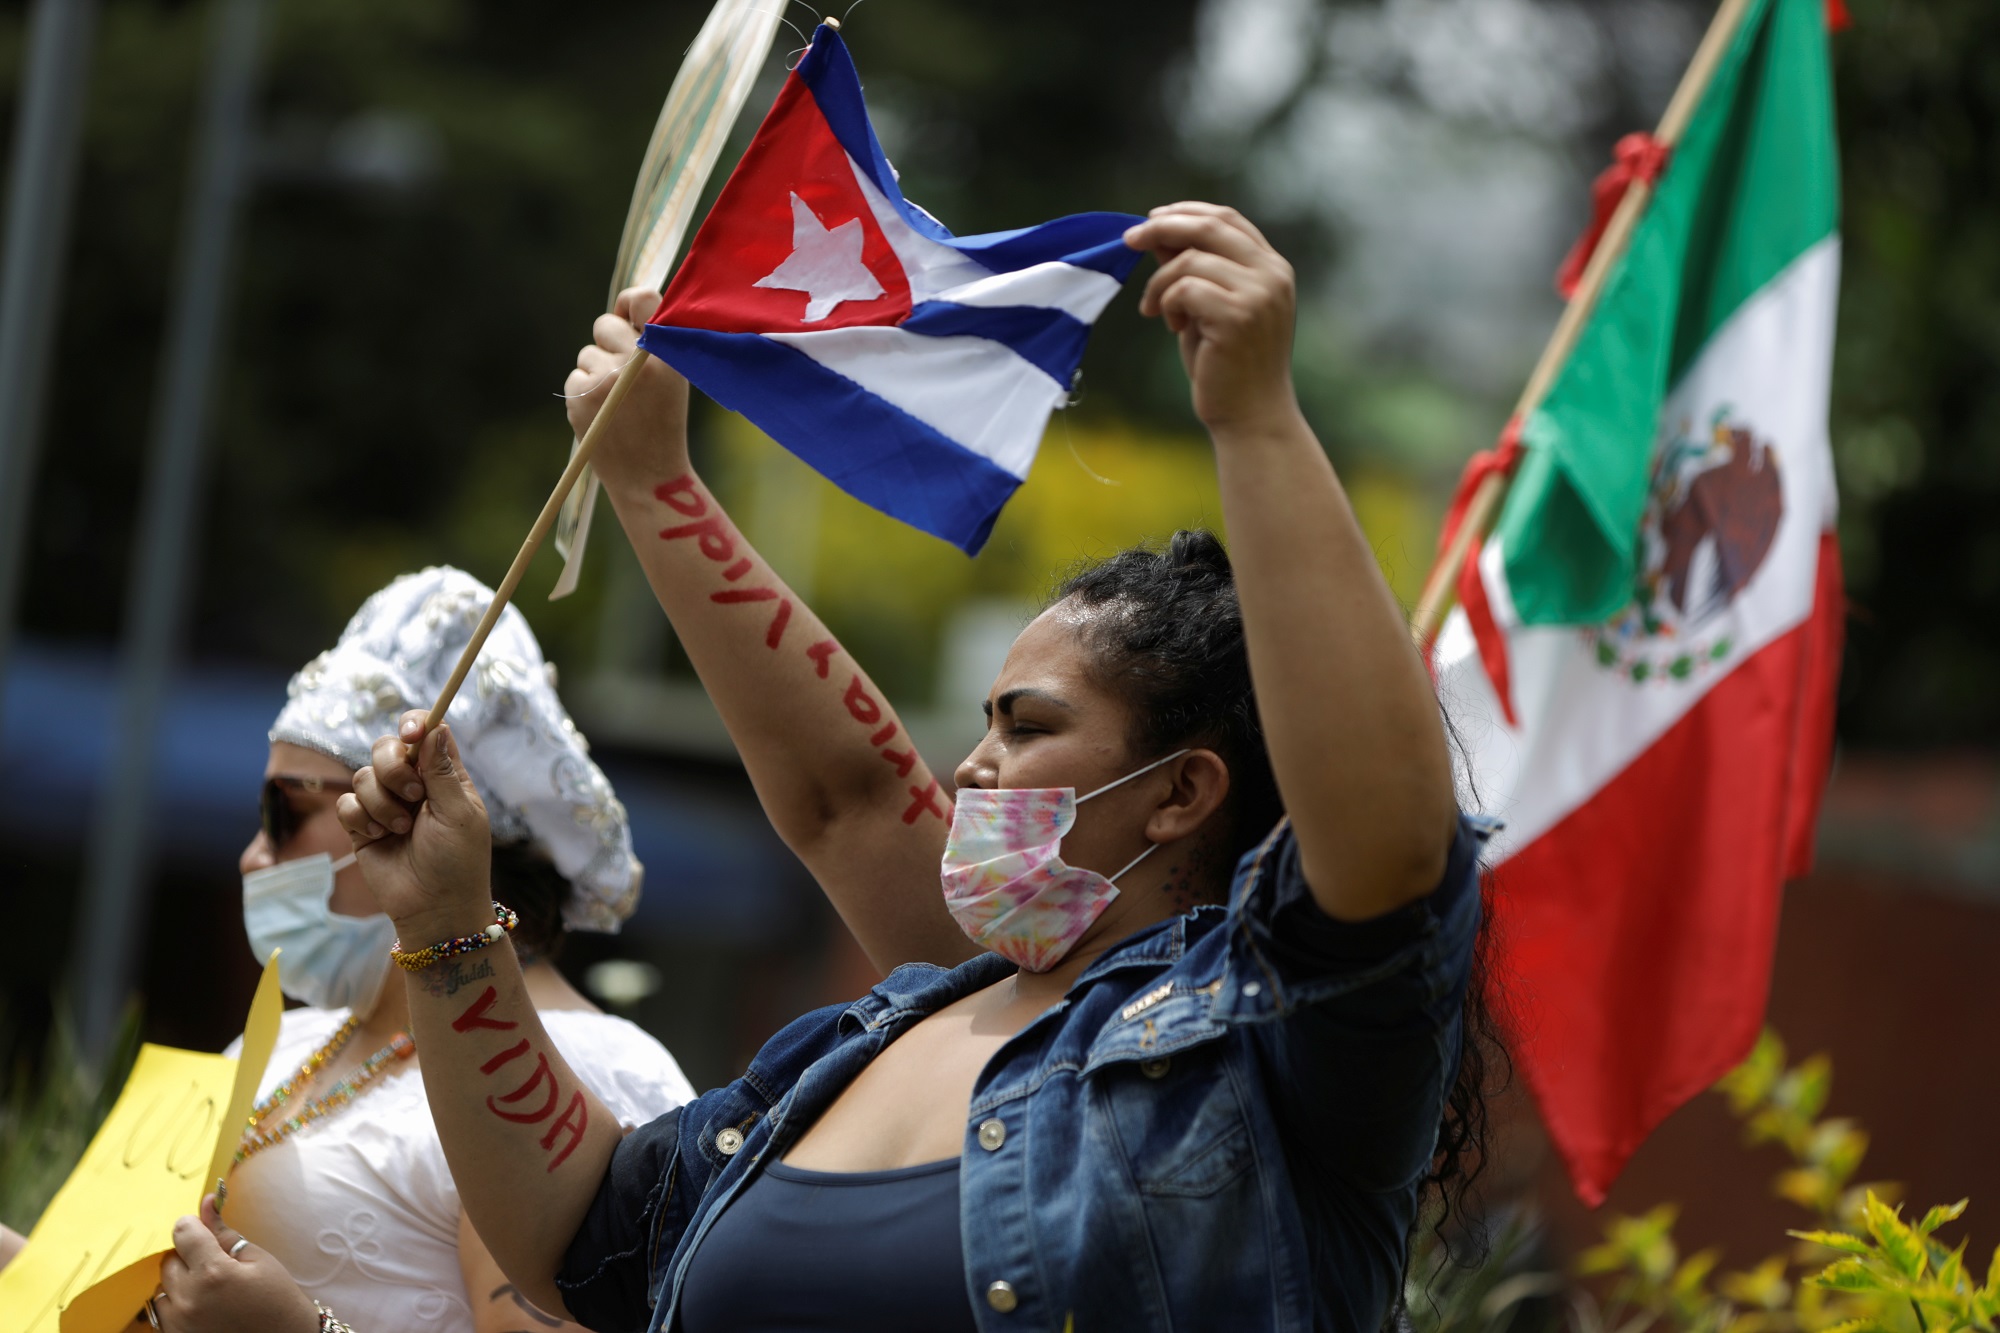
1179	1120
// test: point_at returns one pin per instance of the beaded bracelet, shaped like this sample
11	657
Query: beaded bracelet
417	960
327	1322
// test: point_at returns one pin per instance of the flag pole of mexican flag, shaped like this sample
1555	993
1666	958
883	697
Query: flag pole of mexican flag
1642	664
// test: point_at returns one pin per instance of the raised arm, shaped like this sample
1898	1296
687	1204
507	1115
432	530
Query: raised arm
832	764
527	1142
1355	735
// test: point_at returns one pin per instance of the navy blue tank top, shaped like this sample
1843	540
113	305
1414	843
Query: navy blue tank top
833	1252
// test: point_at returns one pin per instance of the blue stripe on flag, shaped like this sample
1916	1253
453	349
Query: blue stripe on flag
876	452
1050	340
1088	240
828	73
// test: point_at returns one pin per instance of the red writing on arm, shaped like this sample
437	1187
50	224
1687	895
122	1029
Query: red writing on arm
511	1053
822	653
904	760
859	705
475	1015
732	596
712	533
681	496
927	798
542	1074
737	570
884	736
779	619
575	1119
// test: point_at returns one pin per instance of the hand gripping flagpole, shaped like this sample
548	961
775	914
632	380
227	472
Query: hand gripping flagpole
1484	506
547	519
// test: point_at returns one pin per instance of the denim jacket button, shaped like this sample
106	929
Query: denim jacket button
1001	1297
991	1135
727	1141
1155	1068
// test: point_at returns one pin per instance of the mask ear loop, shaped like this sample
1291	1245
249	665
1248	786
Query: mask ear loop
1164	759
345	862
1135	860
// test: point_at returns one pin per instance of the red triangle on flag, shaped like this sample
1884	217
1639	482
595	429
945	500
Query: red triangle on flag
791	245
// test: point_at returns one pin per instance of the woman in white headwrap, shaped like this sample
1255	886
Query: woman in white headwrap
341	1191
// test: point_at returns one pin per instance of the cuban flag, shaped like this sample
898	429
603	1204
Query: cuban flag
914	369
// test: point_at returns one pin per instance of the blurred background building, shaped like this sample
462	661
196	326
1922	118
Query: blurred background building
429	198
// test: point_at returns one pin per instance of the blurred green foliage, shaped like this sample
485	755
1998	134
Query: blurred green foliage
1863	1270
50	1110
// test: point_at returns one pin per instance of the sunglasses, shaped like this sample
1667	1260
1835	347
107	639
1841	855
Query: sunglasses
274	807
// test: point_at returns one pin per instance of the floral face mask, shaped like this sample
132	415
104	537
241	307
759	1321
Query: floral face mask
1004	878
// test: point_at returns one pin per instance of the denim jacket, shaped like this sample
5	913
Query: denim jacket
1222	1124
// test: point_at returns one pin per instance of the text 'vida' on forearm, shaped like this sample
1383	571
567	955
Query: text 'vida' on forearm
719	542
520	1106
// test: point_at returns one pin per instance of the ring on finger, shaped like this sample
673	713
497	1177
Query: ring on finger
237	1248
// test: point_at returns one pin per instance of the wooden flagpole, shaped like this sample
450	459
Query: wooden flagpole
1485	504
546	520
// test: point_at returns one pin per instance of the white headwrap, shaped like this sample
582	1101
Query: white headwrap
524	754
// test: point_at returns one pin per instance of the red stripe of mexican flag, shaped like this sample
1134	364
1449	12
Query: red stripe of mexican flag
1663	592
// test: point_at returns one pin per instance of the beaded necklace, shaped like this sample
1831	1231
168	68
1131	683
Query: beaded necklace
255	1140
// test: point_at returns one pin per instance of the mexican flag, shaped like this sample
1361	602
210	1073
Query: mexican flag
1642	665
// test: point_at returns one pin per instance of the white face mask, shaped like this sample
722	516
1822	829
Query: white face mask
329	961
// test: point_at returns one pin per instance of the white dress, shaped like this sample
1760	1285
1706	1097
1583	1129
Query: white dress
360	1206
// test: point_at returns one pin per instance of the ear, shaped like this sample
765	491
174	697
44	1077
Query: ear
1200	786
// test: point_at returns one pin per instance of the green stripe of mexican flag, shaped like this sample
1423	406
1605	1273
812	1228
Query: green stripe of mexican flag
1753	185
1644	679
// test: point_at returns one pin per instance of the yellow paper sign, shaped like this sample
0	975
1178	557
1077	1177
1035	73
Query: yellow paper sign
95	1254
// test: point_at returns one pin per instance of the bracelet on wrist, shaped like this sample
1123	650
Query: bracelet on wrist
327	1322
416	960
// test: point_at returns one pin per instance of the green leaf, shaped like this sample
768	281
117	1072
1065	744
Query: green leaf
1835	1240
1938	1216
1597	1259
1750	1082
1951	1270
1763	1286
1848	1275
1807	1186
1899	1244
1863	1325
1693	1273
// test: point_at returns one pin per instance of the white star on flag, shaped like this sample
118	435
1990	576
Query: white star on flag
824	264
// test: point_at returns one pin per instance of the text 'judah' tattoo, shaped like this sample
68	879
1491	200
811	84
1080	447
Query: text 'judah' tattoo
447	979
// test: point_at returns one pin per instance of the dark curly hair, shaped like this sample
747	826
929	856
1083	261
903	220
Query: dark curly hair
527	881
1170	644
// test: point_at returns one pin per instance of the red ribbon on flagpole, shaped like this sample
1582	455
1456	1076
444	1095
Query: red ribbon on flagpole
1637	157
1837	17
1500	460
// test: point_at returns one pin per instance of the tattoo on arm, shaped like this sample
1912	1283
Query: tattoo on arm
526	1307
448	978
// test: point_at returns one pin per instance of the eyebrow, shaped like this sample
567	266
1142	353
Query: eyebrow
1005	703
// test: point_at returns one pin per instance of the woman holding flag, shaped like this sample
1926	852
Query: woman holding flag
1205	1043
